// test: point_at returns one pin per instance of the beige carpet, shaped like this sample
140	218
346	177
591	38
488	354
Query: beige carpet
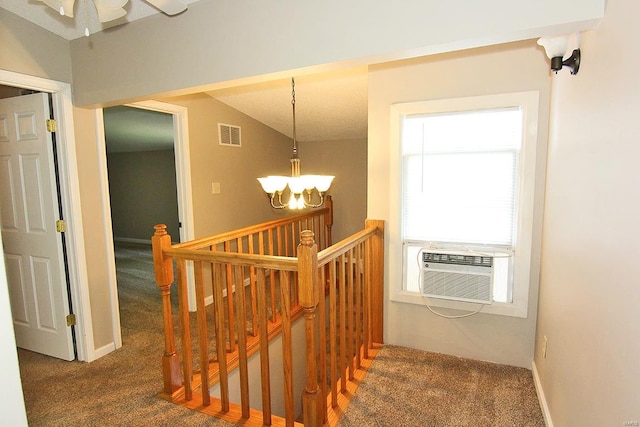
403	387
406	387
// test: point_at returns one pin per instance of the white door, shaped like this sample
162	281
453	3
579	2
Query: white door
29	210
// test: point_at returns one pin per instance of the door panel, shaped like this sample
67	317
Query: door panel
33	247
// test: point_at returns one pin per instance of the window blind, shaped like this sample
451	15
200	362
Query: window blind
460	174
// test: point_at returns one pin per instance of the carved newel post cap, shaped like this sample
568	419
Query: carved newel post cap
160	229
306	238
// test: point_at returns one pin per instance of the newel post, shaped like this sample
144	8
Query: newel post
308	295
328	219
163	268
377	280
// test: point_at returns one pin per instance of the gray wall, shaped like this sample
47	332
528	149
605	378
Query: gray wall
142	186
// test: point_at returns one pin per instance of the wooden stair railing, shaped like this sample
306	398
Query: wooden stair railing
290	281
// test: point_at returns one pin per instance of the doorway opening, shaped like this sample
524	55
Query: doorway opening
145	169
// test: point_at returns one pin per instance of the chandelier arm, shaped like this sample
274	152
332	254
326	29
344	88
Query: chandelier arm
280	205
311	205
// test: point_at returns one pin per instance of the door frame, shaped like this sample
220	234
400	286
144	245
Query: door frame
185	199
70	196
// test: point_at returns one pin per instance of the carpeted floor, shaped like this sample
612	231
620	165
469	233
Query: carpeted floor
407	387
403	387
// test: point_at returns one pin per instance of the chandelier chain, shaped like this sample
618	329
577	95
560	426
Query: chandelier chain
293	108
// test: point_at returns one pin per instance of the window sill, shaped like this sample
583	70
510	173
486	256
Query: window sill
497	308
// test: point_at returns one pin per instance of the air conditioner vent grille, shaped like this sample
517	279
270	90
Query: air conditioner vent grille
459	277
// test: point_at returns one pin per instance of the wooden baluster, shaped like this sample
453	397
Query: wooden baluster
358	303
203	339
231	315
265	376
343	325
309	295
377	279
287	251
287	347
185	329
333	335
163	269
242	341
349	324
272	279
322	338
221	350
252	284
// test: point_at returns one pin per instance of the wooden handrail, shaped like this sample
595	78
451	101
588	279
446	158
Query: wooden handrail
340	330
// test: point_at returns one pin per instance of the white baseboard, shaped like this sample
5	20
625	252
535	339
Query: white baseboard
541	398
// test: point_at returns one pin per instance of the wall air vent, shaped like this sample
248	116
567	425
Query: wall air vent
229	135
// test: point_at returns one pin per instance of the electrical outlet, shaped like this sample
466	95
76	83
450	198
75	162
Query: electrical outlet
544	347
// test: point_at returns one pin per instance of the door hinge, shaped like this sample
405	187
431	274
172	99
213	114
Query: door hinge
71	319
52	125
61	226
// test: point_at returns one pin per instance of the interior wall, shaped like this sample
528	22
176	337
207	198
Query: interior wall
514	67
347	161
220	41
241	201
29	49
96	241
138	180
589	293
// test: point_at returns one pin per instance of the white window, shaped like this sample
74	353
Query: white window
467	173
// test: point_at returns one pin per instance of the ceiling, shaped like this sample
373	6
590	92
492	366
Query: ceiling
329	106
72	28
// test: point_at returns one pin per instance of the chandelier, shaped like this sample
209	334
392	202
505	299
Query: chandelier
109	10
305	191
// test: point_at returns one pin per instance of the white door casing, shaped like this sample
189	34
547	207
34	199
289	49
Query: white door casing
185	201
33	248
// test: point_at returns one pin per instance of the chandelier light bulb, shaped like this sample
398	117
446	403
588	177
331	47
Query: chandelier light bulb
293	203
61	10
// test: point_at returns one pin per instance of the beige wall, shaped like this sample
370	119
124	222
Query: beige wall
515	67
589	291
347	160
29	49
93	220
217	42
241	201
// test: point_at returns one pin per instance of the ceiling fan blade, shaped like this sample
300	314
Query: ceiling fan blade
66	5
112	4
170	7
106	14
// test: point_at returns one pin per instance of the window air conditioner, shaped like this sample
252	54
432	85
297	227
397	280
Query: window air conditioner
457	276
